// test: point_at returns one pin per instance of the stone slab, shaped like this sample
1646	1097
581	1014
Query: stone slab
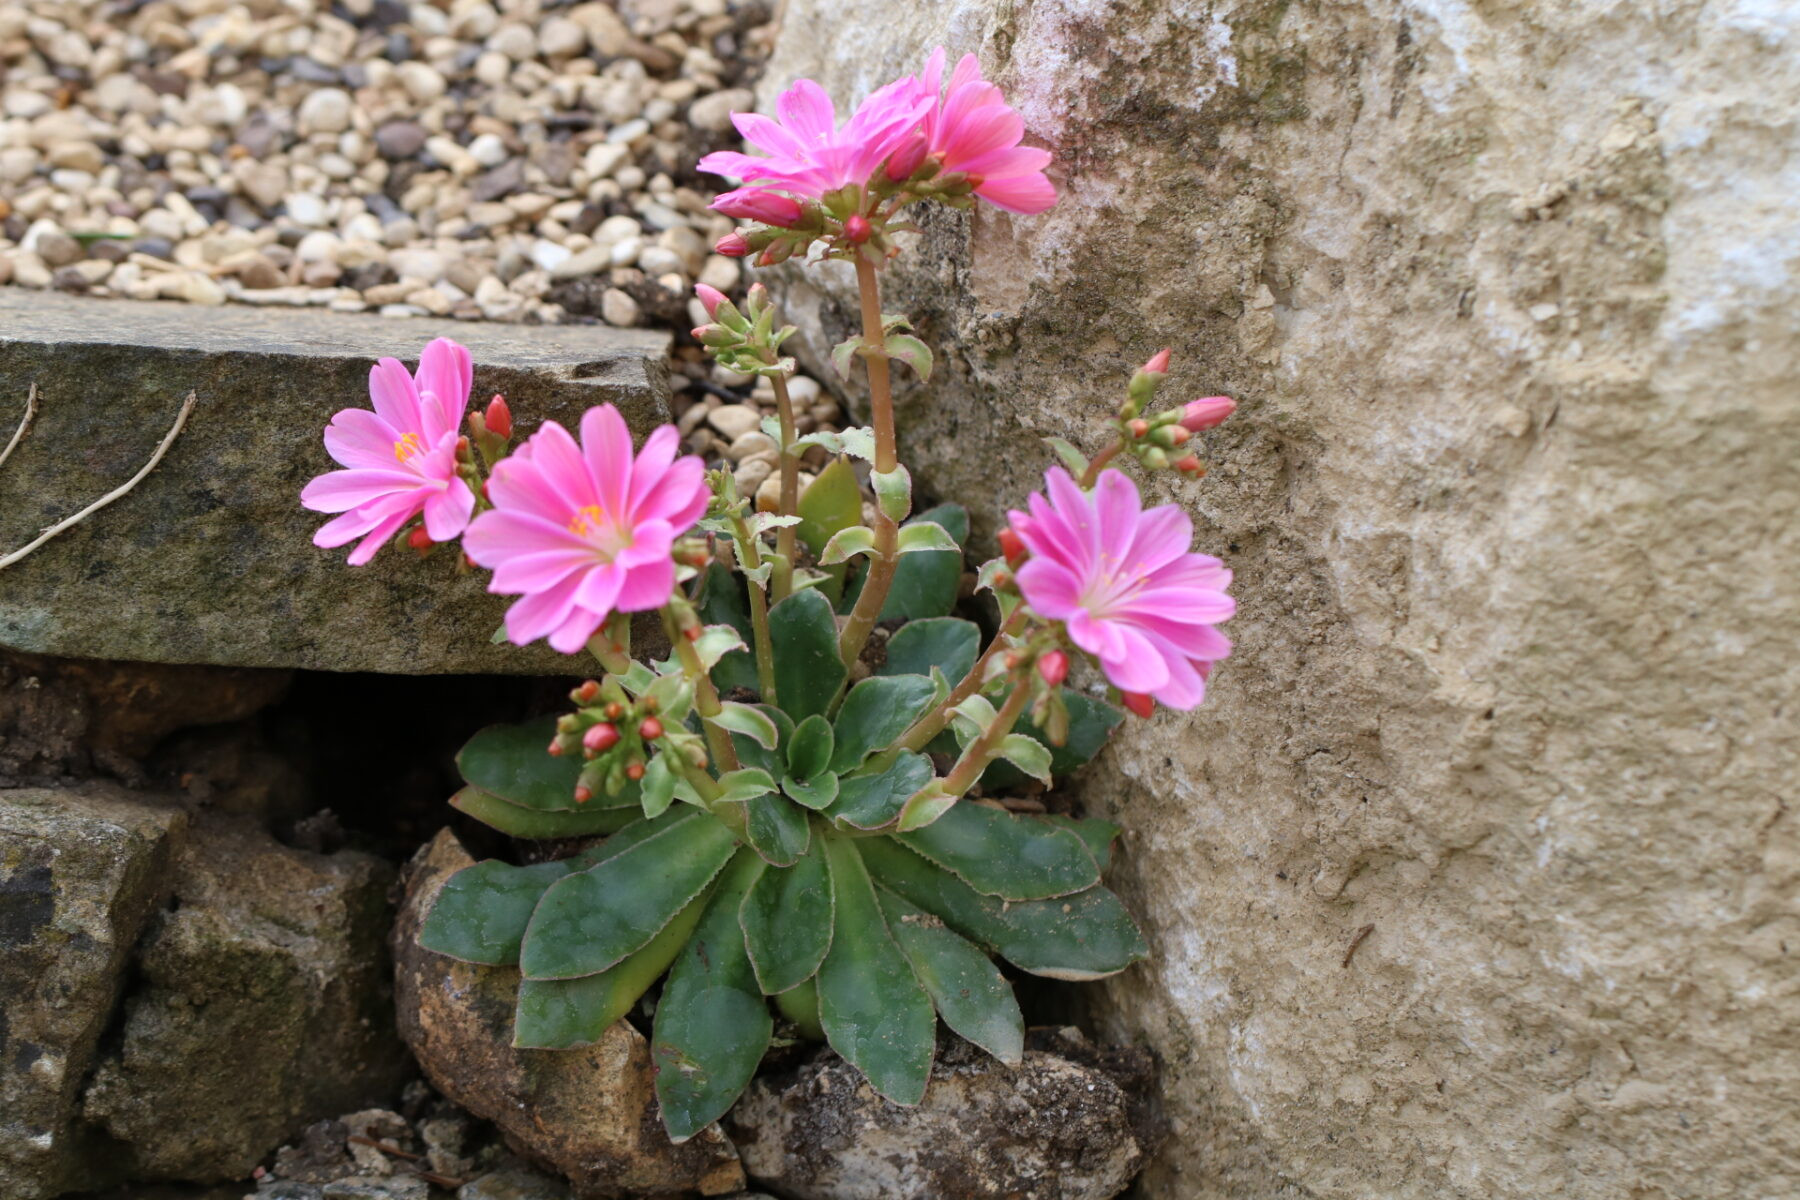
210	559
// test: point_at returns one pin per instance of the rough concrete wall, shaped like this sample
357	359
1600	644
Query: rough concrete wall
1506	289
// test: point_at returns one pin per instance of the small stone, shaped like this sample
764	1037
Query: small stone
76	156
803	391
57	248
398	140
489	150
750	476
713	113
199	289
265	183
326	110
559	37
320	274
733	421
306	209
515	41
582	263
720	272
549	255
372	1187
618	308
516	1183
754	444
498	182
257	271
421	81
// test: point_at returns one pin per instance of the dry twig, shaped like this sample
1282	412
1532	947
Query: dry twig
187	406
24	424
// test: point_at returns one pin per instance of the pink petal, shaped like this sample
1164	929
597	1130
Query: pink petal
651	465
650	542
357	437
1186	688
445	371
1050	588
1136	666
538	571
395	397
1163	535
647	587
341	491
559	478
447	512
1024	194
599	587
383	529
501	534
572	636
807	112
606	445
537	613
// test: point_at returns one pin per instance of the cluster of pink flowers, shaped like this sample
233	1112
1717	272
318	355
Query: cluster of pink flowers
967	127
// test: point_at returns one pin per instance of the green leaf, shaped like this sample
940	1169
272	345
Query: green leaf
876	711
830	504
893	492
844	353
592	919
513	763
1028	754
873	800
712	1024
787	921
1015	858
481	913
557	1014
753	754
801	1006
777	830
658	786
846	544
1091	722
816	793
1088	935
970	993
874	1012
911	351
924	806
807	670
1096	834
723	601
1073	459
715	642
925	583
744	784
925	537
518	822
809	751
948	643
749	720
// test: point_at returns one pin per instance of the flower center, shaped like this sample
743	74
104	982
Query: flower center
409	445
591	524
1113	584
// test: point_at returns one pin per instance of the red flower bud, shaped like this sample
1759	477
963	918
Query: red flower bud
418	539
1001	579
634	772
691	633
651	729
732	245
1012	546
1139	427
1207	412
903	162
760	204
1054	667
711	297
1159	362
1138	703
499	417
555	750
858	229
614	711
600	738
588	692
583	795
1178	434
1190	466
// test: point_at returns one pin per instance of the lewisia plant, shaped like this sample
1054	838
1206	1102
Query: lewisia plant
774	803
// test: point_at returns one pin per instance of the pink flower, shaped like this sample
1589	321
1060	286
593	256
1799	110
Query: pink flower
1123	582
808	153
973	130
401	457
759	204
583	531
710	298
1206	412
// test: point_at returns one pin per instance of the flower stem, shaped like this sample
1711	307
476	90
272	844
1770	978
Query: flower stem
706	697
885	559
731	815
612	657
783	582
986	748
933	722
759	609
1099	460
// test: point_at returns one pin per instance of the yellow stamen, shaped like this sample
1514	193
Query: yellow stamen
585	521
409	445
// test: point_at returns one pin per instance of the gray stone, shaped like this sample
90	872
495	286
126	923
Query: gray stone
210	559
81	871
589	1112
1513	694
367	1187
1052	1128
514	1183
263	1006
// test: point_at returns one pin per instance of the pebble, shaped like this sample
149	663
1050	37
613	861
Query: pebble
397	140
713	113
326	110
618	308
733	421
755	444
258	271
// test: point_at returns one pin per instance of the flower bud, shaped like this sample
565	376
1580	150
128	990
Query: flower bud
711	297
583	795
650	729
499	417
858	229
903	162
732	245
634	771
1159	362
1191	465
1138	703
418	539
614	711
1156	458
588	692
759	204
1139	427
1012	546
554	750
1053	667
600	738
1207	412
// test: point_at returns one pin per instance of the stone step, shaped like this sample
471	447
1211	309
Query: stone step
210	558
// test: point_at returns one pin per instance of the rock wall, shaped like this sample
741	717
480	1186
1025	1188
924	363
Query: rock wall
1506	289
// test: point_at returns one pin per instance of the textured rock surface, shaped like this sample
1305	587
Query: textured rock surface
1507	292
263	1003
81	871
1057	1127
210	559
590	1113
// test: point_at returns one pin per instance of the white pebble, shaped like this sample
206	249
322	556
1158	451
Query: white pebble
326	110
618	308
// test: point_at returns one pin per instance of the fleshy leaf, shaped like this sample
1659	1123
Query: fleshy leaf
807	670
873	1009
911	351
1091	722
1028	754
1095	833
518	822
1073	459
557	1014
893	492
513	763
999	854
592	919
481	913
831	503
715	642
948	643
723	601
924	806
844	354
753	754
846	544
809	751
801	1006
658	786
749	720
925	537
870	801
777	830
712	1024
925	583
875	712
1088	935
815	793
787	921
746	783
970	993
